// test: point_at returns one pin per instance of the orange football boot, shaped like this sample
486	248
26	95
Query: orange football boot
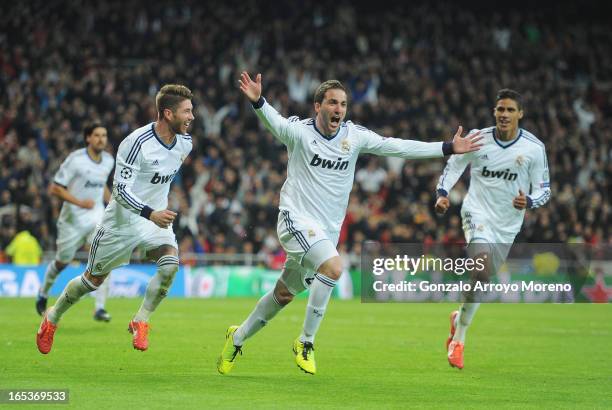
44	336
140	330
455	354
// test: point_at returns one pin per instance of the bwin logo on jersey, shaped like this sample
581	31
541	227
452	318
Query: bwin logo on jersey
90	184
506	174
162	179
328	163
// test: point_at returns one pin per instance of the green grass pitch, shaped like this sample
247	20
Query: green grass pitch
368	356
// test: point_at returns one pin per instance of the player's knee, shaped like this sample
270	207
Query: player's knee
332	268
483	273
283	299
95	280
167	266
60	265
282	294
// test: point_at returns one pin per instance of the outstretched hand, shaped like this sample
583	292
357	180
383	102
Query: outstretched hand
468	144
250	88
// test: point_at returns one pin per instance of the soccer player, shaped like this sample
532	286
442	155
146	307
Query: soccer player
322	155
511	162
147	161
81	184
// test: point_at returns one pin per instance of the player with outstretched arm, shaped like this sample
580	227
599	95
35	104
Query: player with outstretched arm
323	152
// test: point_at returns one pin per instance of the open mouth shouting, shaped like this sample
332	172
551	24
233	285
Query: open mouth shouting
334	122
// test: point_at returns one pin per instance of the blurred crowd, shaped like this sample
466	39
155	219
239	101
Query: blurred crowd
413	71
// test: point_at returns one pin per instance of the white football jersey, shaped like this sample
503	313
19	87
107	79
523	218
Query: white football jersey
84	178
497	172
145	168
321	169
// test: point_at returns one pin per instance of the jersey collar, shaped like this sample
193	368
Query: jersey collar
327	137
506	144
168	147
93	160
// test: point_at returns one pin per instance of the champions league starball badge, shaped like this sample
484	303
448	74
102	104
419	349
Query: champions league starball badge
126	173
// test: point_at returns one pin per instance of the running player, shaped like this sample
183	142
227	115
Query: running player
511	162
147	161
81	184
322	155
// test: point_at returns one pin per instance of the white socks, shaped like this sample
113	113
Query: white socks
50	276
74	290
167	266
102	293
267	307
320	292
464	319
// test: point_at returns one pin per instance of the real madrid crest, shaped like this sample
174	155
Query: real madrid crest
520	160
345	145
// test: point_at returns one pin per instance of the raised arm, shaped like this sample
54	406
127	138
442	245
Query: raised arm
282	128
250	88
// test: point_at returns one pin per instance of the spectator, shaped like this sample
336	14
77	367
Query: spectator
24	249
371	178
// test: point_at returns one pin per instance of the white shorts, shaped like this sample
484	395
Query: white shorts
484	238
112	247
70	239
307	246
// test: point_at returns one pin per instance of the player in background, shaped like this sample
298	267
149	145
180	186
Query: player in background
137	215
322	155
81	183
507	175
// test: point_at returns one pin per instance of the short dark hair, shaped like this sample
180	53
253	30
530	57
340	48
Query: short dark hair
511	94
170	96
325	86
89	129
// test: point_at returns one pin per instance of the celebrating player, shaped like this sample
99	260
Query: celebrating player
511	162
322	155
147	161
81	184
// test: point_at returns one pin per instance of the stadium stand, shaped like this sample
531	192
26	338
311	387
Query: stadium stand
427	69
